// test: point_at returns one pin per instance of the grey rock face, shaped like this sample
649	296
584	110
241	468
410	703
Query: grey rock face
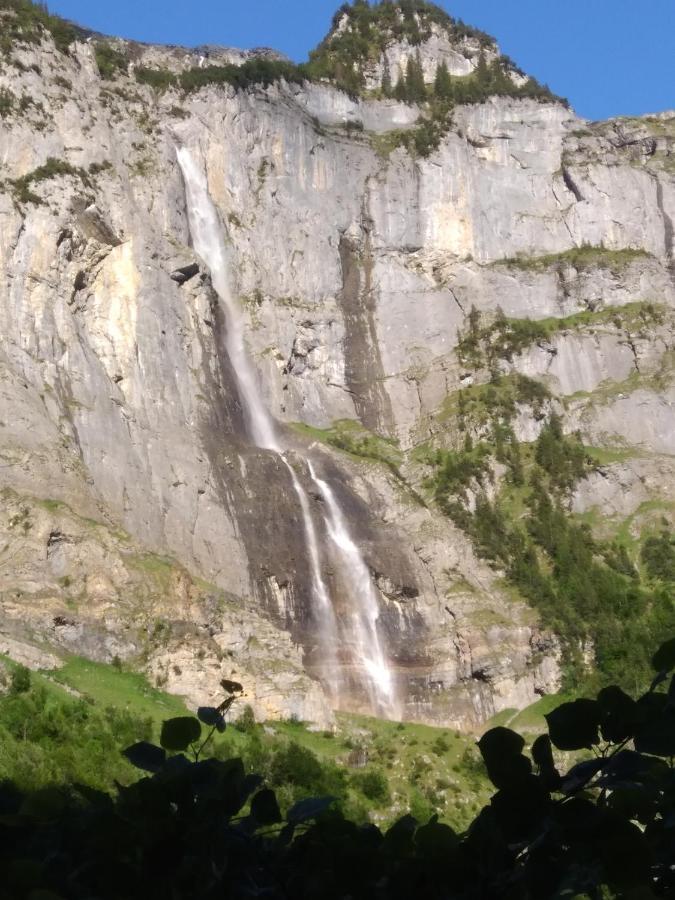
331	108
356	271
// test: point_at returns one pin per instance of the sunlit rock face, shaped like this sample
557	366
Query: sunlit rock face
139	520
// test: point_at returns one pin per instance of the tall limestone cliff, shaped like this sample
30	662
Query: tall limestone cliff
137	521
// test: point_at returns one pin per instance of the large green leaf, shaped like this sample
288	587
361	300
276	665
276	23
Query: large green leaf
177	734
657	736
618	714
145	756
501	750
47	803
580	775
574	726
542	754
265	809
436	841
304	810
399	839
664	658
500	742
212	717
520	807
625	854
634	801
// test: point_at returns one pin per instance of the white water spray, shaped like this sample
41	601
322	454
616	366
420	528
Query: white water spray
361	627
365	615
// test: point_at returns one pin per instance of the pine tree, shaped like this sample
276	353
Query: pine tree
482	74
417	89
401	90
500	82
443	82
386	80
474	323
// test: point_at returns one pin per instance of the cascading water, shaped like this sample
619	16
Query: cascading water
328	637
365	615
360	629
208	238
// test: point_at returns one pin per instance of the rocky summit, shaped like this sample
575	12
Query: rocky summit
457	303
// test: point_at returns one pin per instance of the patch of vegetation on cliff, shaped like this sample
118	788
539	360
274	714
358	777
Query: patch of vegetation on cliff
420	141
160	568
361	33
159	79
650	520
8	103
607	456
595	594
487	408
489	340
487	80
25	22
440	98
52	168
351	437
404	20
635	316
254	72
484	343
98	168
584	258
110	62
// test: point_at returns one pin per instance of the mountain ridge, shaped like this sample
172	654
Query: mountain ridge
414	35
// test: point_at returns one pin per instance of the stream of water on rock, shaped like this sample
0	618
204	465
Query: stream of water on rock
358	628
364	615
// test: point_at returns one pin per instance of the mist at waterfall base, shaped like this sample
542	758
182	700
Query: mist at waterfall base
352	635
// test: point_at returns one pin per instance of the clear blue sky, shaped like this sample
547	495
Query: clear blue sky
609	57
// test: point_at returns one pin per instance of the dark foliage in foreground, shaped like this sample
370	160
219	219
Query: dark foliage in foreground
201	828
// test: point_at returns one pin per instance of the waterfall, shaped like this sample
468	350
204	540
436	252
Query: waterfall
359	629
328	630
364	616
209	242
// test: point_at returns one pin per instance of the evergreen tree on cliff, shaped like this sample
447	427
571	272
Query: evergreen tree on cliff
443	82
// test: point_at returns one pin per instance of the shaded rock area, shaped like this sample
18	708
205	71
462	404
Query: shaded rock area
185	273
138	522
364	372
